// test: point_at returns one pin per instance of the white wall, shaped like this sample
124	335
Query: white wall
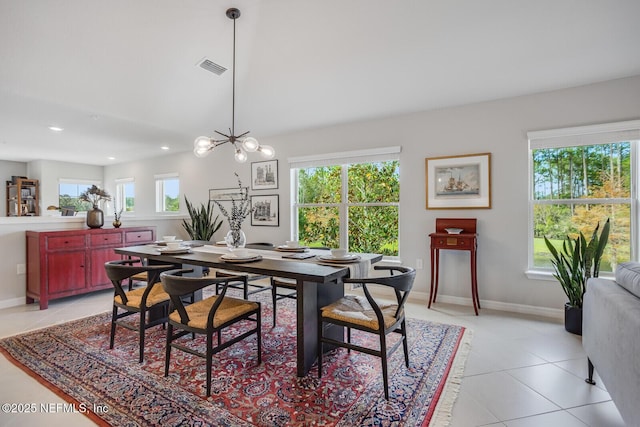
498	127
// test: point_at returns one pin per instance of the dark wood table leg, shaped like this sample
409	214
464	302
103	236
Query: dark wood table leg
437	268
475	275
433	268
310	297
473	281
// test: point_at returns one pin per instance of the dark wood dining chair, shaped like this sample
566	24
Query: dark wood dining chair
368	315
208	317
139	300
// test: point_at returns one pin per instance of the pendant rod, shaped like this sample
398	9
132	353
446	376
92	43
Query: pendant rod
233	91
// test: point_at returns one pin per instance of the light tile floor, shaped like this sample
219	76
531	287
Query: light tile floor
522	371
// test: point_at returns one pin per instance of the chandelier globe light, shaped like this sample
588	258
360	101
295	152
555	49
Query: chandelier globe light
242	144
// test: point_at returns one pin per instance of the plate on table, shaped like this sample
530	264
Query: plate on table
454	230
164	242
235	258
221	243
184	250
285	248
346	258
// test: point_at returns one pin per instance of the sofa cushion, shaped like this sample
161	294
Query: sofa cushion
628	276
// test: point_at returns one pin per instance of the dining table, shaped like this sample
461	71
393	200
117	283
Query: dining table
318	280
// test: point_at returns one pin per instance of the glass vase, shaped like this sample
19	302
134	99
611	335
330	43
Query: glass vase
235	239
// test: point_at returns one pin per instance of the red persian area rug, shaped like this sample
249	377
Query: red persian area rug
74	360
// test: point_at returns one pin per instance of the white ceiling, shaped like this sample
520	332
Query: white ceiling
122	77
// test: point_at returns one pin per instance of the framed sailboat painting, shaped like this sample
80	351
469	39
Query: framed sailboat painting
458	182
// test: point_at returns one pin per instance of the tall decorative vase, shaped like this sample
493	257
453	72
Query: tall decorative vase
95	218
235	239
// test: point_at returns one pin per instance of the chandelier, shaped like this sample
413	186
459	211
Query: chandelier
242	143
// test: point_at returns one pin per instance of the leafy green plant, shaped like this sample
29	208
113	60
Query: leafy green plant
577	261
202	225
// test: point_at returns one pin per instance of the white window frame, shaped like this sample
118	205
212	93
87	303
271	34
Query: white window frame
160	192
120	200
79	181
340	159
580	136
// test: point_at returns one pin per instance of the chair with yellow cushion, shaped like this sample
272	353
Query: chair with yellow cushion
368	315
208	317
139	300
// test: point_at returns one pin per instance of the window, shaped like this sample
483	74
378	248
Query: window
167	193
69	192
125	195
348	200
581	177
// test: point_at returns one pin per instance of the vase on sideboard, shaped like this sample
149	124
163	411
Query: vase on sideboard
95	218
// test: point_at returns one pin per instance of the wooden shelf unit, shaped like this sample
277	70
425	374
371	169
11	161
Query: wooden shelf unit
23	197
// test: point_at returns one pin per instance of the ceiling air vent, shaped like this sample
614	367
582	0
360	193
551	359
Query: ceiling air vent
212	66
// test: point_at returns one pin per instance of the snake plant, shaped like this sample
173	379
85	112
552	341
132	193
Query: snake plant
577	261
202	224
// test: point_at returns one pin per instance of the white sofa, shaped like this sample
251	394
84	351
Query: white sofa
611	337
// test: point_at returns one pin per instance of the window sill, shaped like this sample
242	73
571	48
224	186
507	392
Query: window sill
547	275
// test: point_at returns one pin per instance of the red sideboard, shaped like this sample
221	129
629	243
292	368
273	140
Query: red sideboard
71	262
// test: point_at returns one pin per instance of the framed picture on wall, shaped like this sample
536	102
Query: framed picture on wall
222	194
459	182
264	175
266	210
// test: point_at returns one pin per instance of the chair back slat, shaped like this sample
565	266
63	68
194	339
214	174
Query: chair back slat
119	270
177	285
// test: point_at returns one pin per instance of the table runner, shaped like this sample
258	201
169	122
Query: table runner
359	269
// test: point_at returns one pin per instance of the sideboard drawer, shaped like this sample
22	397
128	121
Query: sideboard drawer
142	236
66	242
106	239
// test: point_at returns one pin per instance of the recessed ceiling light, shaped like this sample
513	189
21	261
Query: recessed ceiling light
56	128
164	147
111	158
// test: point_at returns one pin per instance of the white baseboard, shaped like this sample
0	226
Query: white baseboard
422	297
493	305
13	302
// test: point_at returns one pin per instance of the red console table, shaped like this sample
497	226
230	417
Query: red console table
62	263
467	240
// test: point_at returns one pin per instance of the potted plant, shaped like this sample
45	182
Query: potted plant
95	195
202	225
574	264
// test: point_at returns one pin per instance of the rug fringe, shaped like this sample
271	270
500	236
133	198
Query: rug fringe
444	407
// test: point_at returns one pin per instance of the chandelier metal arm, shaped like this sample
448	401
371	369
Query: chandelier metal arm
204	145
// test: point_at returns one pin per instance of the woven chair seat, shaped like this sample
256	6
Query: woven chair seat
357	310
157	295
140	277
229	309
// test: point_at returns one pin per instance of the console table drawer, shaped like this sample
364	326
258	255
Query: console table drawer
142	236
106	239
444	242
66	242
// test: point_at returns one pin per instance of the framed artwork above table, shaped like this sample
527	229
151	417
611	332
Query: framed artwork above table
264	175
458	182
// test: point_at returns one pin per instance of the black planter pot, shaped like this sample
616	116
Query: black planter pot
573	319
